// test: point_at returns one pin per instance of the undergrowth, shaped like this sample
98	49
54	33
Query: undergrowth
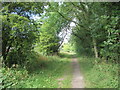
39	72
99	74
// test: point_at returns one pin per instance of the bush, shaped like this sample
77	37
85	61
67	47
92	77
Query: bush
11	77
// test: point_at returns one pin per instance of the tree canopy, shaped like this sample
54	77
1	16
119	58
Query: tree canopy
96	30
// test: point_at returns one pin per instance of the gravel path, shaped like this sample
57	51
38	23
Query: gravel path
77	80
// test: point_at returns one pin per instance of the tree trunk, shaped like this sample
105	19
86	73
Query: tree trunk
95	47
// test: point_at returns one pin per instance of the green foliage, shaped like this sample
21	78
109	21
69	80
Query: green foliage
19	36
98	74
97	31
42	72
19	33
111	45
25	9
67	47
39	72
35	62
48	43
11	77
83	47
51	27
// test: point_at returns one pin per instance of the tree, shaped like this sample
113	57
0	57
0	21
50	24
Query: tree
49	31
19	33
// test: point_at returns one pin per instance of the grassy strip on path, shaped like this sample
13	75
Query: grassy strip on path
99	75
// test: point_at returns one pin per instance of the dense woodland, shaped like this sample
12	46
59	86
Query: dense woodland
95	34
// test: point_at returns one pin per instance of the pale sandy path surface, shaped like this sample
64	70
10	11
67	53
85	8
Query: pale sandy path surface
77	80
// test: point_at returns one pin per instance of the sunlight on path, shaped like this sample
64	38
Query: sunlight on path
77	81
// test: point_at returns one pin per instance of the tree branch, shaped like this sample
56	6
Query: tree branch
70	20
77	36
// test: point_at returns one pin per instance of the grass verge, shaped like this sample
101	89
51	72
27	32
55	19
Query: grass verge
99	74
40	72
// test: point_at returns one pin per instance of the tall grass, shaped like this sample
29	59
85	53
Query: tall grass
99	74
40	72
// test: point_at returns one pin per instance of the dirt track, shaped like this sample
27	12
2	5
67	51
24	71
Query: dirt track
77	80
